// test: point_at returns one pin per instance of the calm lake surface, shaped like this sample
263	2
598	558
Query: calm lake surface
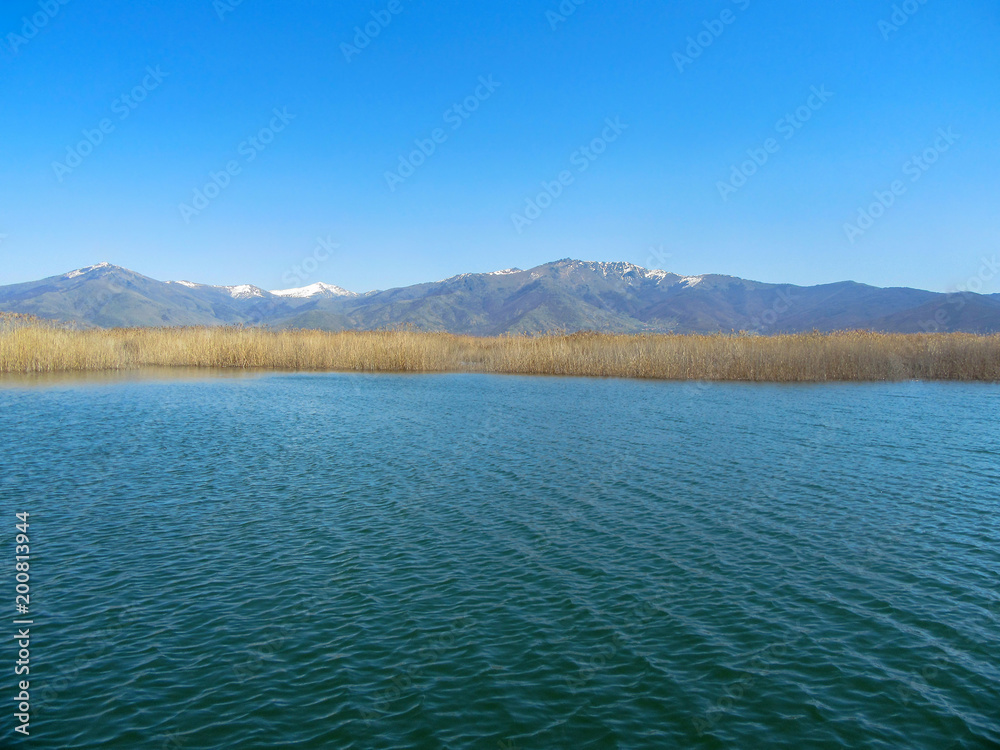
468	561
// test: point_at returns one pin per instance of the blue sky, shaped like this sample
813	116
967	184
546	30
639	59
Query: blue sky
174	93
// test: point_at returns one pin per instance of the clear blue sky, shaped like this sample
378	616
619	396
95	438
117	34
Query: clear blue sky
656	185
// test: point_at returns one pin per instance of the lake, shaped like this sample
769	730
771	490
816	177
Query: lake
471	561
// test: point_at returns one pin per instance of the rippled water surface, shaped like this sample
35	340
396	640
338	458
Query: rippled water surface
462	561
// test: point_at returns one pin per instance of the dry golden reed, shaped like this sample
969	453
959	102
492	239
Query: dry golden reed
28	345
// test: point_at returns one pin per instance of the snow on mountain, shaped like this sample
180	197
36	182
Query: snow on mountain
625	271
563	295
238	291
459	277
88	269
249	291
243	291
620	269
313	290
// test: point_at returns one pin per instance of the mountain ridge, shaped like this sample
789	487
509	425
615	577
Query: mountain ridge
566	294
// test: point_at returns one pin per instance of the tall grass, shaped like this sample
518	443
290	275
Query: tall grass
28	345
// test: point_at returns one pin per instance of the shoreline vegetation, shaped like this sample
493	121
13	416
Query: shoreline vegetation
30	345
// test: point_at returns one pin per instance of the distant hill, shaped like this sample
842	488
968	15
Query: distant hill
566	295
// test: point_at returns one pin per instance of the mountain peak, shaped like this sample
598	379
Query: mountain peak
243	291
319	289
505	272
619	269
567	294
92	269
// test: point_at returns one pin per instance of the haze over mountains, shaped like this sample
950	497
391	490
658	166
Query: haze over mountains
566	295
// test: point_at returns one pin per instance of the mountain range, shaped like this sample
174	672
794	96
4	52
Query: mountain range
567	294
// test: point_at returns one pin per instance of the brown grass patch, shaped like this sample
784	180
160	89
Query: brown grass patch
28	345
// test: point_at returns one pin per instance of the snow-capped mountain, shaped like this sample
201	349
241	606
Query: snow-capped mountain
84	271
319	289
238	291
567	295
244	291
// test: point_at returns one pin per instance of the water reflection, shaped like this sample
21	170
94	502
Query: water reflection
115	377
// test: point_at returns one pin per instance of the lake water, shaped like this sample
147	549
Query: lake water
467	561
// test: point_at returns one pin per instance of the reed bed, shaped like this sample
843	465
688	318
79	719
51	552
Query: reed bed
32	346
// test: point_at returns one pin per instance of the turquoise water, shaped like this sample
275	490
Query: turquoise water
463	561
